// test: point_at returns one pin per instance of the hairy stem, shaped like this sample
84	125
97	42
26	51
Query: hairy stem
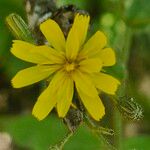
100	132
122	90
61	144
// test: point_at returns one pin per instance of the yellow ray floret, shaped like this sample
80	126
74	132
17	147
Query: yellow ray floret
53	34
68	64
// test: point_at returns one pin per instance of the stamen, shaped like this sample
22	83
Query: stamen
69	67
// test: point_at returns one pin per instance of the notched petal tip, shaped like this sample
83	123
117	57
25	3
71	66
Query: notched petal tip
13	84
105	83
81	16
14	45
36	113
61	115
37	117
53	34
98	118
102	114
20	49
116	86
81	24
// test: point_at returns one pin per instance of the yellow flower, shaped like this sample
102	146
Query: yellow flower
71	63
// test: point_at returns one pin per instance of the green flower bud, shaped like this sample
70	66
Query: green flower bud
129	108
19	28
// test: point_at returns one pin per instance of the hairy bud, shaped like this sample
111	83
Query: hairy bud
129	108
19	28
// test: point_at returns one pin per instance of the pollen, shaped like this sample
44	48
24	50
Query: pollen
69	67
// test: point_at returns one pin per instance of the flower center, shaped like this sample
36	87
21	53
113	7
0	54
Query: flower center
69	67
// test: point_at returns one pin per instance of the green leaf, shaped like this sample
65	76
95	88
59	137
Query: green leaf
30	133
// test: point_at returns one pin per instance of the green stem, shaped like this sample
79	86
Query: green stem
61	144
118	130
118	125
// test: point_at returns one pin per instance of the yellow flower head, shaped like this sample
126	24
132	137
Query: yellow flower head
71	63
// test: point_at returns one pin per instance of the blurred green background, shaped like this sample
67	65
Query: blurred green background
118	19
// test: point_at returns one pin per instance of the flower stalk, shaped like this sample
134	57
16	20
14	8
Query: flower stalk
61	144
118	125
